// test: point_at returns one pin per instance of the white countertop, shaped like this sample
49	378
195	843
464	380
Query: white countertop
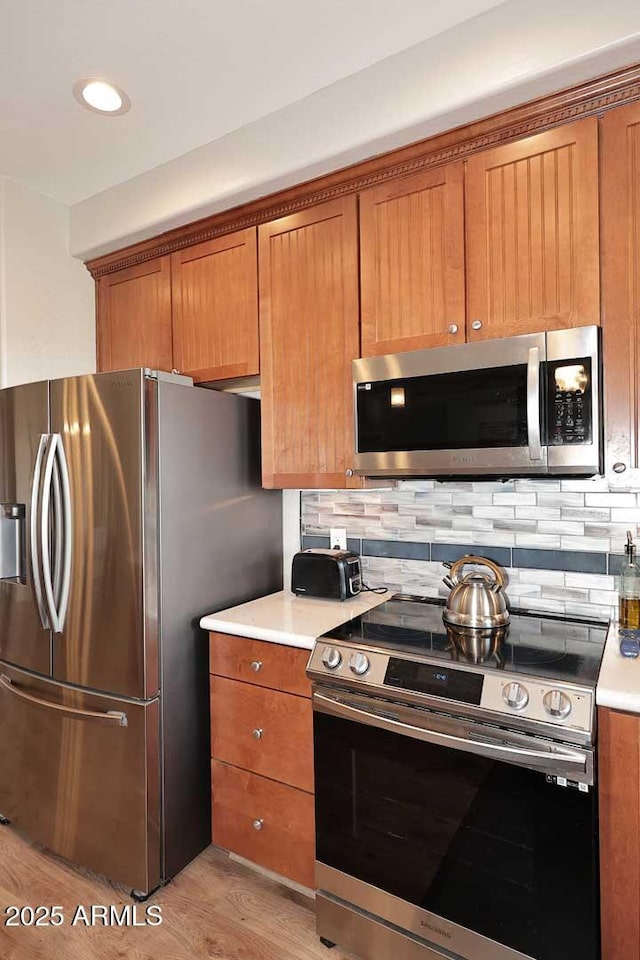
284	618
619	680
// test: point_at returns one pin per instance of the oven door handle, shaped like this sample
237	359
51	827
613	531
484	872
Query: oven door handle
558	759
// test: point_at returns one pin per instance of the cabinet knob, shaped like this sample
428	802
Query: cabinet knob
258	824
619	467
348	472
175	371
257	734
453	328
256	665
476	325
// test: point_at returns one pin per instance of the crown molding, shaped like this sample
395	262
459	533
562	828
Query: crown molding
574	103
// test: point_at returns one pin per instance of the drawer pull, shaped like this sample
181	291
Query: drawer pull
258	824
115	717
256	665
257	733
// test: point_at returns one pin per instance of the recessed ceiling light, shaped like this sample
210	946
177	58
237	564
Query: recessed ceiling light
101	96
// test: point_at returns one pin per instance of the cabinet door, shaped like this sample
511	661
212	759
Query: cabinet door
215	307
532	234
619	796
412	262
134	317
308	338
620	195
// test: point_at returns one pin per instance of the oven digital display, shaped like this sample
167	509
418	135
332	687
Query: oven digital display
425	678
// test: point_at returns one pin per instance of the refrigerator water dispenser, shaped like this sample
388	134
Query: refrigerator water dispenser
12	540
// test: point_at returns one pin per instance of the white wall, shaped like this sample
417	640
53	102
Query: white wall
47	311
515	52
290	532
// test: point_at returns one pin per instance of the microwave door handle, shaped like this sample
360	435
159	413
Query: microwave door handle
534	413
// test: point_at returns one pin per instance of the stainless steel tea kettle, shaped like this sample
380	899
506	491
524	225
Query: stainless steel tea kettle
477	599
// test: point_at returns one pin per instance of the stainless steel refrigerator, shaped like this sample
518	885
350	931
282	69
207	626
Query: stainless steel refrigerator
130	505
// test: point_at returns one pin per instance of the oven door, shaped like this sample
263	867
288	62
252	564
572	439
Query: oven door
478	840
475	409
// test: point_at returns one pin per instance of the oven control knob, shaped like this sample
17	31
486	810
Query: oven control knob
331	658
557	704
515	695
359	663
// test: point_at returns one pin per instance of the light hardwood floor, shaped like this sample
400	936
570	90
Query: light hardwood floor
216	908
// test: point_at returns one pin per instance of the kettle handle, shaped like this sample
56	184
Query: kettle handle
481	561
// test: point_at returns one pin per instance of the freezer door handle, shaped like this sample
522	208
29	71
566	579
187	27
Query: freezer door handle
36	501
115	717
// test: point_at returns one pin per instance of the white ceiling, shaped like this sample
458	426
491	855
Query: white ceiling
194	71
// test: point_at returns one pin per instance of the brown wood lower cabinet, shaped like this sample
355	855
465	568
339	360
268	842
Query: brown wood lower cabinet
261	663
262	754
266	731
264	821
619	794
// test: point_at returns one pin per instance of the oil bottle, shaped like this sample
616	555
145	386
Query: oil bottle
629	591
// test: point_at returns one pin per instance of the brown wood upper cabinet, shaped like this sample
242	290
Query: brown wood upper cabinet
309	334
620	197
412	262
532	234
134	317
195	311
215	307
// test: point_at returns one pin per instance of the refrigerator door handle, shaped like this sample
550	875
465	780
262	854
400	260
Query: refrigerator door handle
66	532
36	571
58	541
116	717
45	548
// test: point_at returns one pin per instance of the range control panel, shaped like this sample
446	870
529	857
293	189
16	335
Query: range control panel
561	704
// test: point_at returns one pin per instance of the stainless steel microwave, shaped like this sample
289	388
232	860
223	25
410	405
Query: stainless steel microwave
520	406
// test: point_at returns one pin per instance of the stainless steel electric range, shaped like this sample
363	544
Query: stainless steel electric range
456	801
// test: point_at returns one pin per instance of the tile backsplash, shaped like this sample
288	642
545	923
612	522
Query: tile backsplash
560	541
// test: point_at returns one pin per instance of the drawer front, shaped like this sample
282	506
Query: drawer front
60	742
265	822
257	661
265	731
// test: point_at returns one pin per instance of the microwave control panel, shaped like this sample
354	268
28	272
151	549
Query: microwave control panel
569	401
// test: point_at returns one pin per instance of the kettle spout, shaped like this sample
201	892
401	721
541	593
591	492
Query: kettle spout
448	582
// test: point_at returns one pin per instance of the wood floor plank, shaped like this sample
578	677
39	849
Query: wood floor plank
216	909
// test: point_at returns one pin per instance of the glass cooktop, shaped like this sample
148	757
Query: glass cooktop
530	644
